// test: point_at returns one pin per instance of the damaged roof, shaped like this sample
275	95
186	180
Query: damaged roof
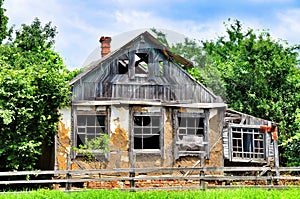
166	51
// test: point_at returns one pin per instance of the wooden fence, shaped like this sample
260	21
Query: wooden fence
160	178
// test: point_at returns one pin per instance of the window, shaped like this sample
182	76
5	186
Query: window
247	143
191	138
190	124
141	64
90	126
123	66
147	130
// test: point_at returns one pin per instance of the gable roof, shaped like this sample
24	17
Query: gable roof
186	63
168	83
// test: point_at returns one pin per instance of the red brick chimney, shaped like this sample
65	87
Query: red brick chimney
105	45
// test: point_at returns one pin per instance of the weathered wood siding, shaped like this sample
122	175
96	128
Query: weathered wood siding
241	120
163	81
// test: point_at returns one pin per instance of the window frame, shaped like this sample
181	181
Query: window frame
204	146
161	135
257	143
92	113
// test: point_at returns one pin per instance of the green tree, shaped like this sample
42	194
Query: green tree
3	23
203	70
254	74
261	76
33	86
35	37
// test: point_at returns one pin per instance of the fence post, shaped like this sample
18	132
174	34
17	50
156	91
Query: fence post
202	181
132	181
68	183
269	179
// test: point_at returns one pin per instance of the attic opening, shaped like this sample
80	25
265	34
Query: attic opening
140	61
141	64
123	66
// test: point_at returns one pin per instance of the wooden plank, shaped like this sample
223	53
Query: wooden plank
33	181
85	176
183	188
154	178
147	170
151	65
131	65
244	126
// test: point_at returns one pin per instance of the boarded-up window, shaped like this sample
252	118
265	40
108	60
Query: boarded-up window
90	126
247	143
147	130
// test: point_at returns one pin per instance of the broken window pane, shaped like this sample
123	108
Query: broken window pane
80	139
100	120
123	66
247	143
146	131
190	131
90	127
141	63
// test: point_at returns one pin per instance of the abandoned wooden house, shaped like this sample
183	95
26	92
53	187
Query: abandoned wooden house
156	114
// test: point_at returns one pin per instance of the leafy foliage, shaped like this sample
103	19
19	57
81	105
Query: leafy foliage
33	85
292	146
203	70
35	37
261	76
3	23
254	74
95	150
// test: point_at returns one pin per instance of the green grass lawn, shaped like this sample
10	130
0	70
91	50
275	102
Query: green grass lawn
244	193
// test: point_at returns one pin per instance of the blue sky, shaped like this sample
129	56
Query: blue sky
80	23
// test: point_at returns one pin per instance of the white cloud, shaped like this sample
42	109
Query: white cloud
288	26
74	32
26	10
133	19
81	23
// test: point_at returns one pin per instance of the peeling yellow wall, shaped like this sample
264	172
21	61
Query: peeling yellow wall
119	137
215	140
63	139
119	127
168	138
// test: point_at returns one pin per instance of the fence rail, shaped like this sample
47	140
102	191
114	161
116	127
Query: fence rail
162	178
